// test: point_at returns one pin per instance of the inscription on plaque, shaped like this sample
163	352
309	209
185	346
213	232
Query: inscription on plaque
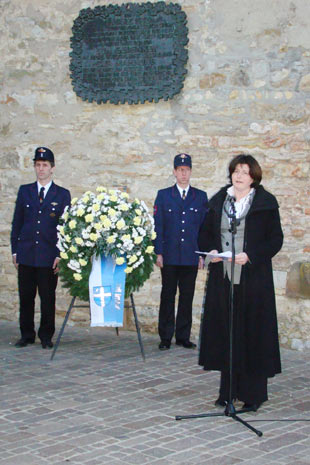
129	53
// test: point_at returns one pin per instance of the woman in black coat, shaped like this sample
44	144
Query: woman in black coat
256	355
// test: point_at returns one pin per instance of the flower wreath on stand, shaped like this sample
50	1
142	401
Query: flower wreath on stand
107	223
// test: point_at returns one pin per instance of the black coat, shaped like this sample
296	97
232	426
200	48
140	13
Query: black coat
256	346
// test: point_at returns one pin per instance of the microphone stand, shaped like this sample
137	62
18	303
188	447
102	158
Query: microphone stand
230	410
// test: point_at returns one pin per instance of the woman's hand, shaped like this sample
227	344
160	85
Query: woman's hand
241	258
216	259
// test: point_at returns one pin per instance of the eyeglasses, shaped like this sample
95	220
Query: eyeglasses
242	172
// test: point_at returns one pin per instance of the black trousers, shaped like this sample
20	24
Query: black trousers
31	279
184	278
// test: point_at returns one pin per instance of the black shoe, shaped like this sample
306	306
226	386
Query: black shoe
186	344
250	407
220	403
22	342
47	344
164	345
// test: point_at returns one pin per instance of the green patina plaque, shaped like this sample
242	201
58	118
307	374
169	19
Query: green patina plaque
129	53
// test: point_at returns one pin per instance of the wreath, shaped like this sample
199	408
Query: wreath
108	223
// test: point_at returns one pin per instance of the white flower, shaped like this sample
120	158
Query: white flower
141	231
85	234
142	203
59	246
74	265
90	244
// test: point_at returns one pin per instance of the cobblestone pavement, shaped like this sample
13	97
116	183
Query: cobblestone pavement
98	403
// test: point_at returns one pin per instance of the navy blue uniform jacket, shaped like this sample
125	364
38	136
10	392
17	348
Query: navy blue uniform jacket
34	234
177	224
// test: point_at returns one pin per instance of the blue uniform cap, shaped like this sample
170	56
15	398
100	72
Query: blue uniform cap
182	159
44	154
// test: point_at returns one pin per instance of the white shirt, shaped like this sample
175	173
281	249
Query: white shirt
242	203
181	189
46	187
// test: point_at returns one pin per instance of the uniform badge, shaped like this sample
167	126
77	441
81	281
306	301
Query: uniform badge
54	204
183	156
52	214
41	150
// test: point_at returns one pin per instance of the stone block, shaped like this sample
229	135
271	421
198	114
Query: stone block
212	80
298	280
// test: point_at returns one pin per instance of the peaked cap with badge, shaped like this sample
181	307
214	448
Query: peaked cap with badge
44	154
182	159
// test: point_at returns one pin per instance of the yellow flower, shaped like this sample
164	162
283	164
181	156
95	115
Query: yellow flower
154	235
72	224
64	255
79	240
113	198
110	239
137	201
96	207
61	230
73	249
120	224
100	189
120	260
111	212
102	217
125	237
128	269
89	218
138	239
85	199
65	216
111	191
138	211
149	249
100	197
93	237
106	222
124	207
74	200
77	276
82	262
137	221
132	259
80	211
98	226
68	238
124	195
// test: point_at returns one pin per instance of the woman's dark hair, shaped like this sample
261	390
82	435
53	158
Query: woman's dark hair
255	170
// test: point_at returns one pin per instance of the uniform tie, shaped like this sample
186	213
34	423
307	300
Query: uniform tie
41	194
183	194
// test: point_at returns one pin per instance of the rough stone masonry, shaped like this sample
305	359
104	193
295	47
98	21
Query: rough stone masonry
247	90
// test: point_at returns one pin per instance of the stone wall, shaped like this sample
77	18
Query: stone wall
247	89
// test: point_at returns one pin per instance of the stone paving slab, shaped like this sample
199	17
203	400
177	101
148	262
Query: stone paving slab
98	403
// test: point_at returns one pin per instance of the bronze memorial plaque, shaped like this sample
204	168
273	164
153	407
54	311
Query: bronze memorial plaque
129	53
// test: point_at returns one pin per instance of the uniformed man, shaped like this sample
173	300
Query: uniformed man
35	255
179	212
